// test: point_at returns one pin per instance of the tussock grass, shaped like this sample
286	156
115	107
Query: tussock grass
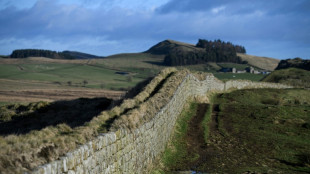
147	110
23	152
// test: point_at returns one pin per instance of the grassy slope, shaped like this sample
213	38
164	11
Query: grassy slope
44	73
291	76
258	130
272	125
61	73
97	72
260	62
176	153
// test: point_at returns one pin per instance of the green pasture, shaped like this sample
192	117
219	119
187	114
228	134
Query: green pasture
69	75
235	76
270	123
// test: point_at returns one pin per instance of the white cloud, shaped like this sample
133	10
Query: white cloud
216	10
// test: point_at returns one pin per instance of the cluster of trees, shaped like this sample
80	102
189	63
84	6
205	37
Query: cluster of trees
23	53
214	51
221	46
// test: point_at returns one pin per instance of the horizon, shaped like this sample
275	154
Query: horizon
277	29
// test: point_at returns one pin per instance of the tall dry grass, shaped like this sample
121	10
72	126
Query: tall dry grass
22	153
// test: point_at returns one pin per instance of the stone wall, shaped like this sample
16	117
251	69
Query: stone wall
134	151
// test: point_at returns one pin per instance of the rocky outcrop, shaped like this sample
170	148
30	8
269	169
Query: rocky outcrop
294	63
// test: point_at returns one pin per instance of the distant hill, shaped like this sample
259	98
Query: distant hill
294	63
24	53
179	53
170	46
265	63
290	76
80	55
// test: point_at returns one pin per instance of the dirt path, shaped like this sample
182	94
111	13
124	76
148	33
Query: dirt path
195	137
216	153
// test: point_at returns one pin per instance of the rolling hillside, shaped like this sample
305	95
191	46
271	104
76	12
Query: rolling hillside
168	46
260	62
115	72
80	55
291	76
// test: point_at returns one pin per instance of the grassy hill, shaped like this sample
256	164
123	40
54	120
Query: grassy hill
291	76
80	55
25	75
265	63
169	46
115	72
66	73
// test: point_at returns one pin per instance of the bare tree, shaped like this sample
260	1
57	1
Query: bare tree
85	82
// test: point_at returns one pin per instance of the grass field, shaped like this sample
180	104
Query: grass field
262	130
67	75
250	131
36	73
244	76
233	65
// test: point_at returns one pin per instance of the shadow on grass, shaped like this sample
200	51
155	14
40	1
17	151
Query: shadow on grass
74	113
155	63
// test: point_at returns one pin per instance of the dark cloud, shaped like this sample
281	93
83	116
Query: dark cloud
107	29
238	6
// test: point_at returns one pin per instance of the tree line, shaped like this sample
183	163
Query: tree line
23	53
214	51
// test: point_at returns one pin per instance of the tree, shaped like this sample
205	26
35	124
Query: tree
214	51
129	78
23	53
85	82
69	83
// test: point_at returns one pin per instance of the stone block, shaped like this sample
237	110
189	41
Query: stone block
79	169
87	164
64	167
70	161
90	148
71	172
113	148
84	152
54	167
78	156
39	170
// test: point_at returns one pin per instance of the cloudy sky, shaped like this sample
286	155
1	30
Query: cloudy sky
273	28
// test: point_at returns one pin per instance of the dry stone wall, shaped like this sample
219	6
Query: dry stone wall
134	151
